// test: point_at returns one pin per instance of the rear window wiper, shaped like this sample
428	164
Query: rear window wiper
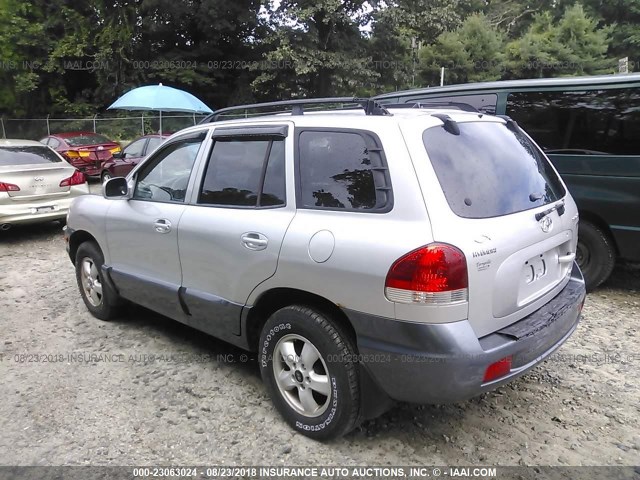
558	206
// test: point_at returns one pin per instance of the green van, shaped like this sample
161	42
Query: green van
590	129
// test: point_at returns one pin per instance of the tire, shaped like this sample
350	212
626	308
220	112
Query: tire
322	400
105	176
595	255
100	300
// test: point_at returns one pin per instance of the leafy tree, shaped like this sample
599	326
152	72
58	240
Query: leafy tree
314	48
572	46
22	44
514	17
403	27
471	53
624	18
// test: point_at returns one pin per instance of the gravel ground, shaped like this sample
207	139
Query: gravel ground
199	401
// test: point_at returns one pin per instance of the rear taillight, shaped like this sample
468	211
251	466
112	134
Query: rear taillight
77	153
9	187
76	179
433	274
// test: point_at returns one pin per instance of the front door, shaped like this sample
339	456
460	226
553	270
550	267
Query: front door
142	236
230	237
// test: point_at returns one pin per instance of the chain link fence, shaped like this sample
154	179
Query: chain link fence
120	129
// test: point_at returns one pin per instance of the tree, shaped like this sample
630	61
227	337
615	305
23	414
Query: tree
572	46
623	16
314	48
514	17
471	53
22	47
403	27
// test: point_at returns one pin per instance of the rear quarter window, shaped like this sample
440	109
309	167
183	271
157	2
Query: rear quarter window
489	170
342	170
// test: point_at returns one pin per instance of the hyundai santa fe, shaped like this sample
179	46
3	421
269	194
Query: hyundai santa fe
366	254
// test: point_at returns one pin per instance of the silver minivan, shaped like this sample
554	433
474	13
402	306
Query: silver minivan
365	254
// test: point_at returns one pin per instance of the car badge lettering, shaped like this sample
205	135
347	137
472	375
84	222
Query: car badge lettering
482	253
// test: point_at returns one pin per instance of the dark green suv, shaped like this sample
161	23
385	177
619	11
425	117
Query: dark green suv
590	129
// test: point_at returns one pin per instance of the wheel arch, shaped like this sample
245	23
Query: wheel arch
78	238
274	299
598	221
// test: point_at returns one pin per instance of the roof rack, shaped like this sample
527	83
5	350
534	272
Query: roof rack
370	106
459	105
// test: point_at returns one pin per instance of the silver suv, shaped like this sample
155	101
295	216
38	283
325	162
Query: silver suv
367	255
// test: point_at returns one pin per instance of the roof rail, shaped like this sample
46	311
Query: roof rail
459	105
370	106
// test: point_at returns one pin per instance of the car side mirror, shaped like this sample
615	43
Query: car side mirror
116	187
118	155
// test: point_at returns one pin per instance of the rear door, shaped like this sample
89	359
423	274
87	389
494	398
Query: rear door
501	202
230	237
142	232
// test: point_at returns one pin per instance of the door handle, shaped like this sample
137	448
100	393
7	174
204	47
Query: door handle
254	241
162	225
567	258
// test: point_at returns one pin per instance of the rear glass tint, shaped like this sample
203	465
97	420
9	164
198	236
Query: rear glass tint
28	155
90	139
591	122
489	170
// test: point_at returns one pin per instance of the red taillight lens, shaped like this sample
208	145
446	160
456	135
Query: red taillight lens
423	275
9	187
76	179
498	369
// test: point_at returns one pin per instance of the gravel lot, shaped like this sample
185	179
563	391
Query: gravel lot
199	401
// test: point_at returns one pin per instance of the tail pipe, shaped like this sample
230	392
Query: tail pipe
5	226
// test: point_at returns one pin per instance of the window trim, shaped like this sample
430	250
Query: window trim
252	131
145	141
253	136
147	151
141	166
384	167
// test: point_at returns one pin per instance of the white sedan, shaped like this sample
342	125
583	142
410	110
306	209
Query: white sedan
36	183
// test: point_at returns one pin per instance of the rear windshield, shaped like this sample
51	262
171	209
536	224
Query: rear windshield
489	170
90	139
30	155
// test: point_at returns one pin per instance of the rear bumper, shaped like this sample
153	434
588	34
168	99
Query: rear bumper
20	212
90	167
90	170
445	363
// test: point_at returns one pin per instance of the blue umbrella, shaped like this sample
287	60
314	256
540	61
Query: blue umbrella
162	98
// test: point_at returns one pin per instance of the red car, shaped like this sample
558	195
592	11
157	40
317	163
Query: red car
123	162
86	151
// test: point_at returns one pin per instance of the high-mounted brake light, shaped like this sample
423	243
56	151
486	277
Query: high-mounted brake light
9	187
77	178
434	274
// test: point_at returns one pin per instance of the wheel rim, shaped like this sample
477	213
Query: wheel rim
301	375
90	280
105	177
583	257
